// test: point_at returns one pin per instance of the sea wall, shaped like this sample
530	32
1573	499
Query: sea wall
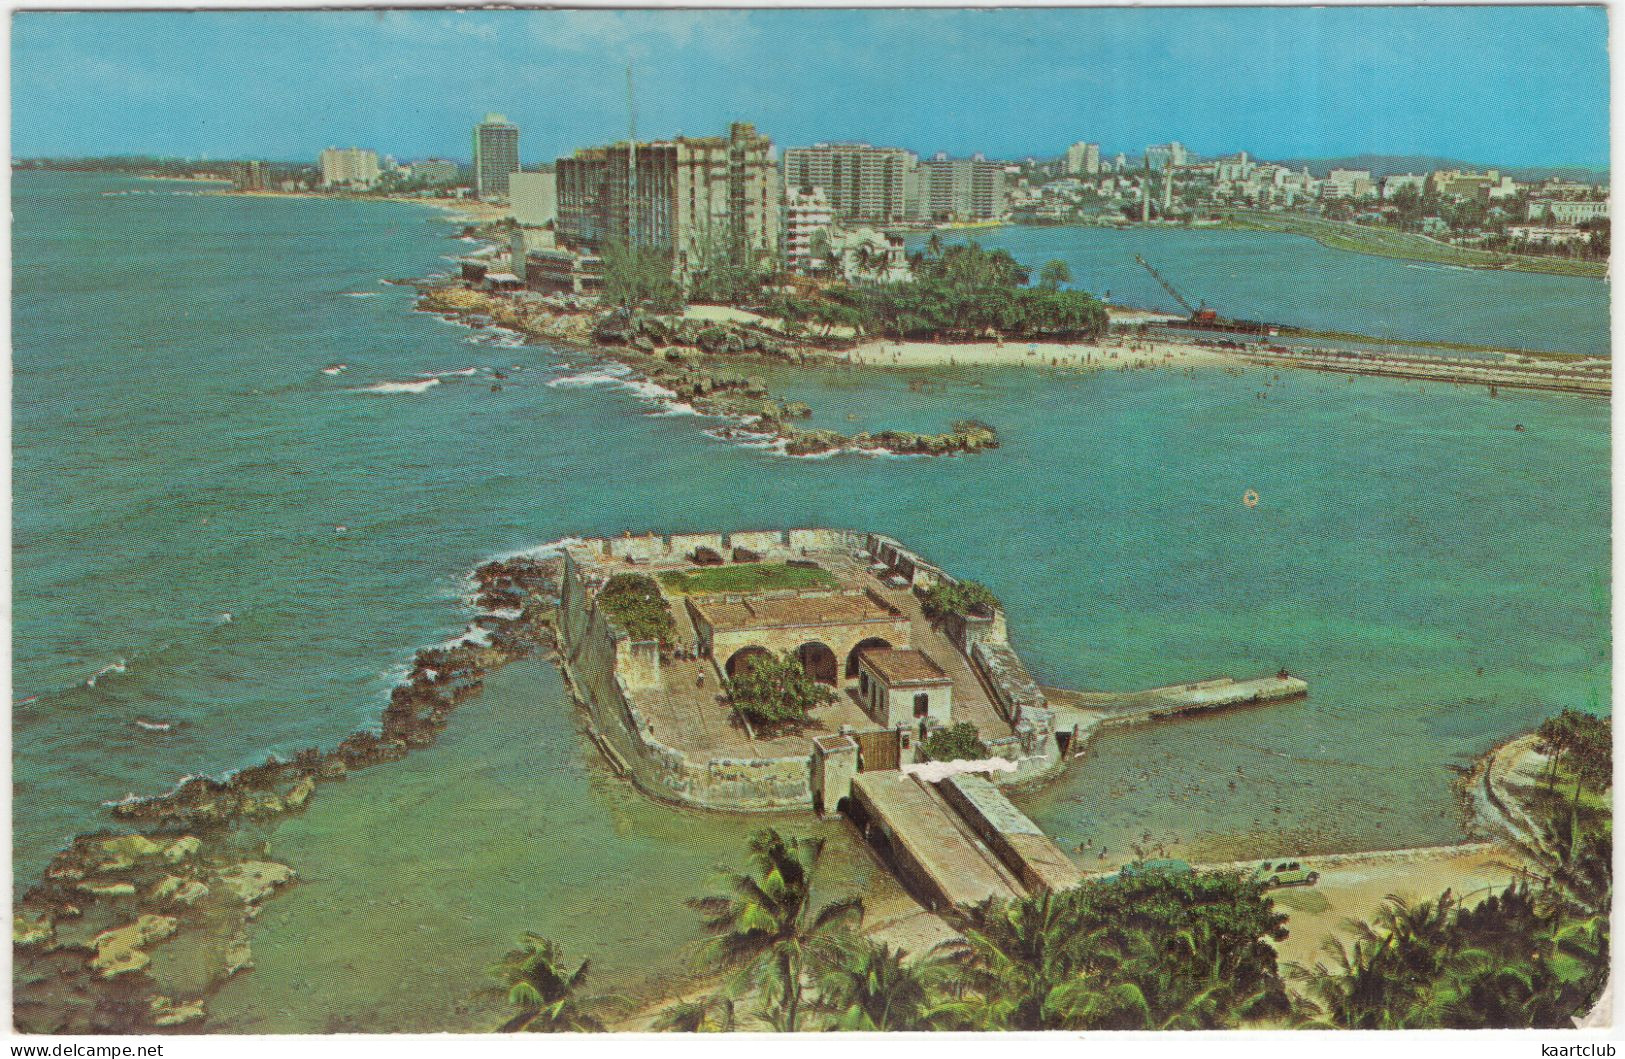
593	651
986	642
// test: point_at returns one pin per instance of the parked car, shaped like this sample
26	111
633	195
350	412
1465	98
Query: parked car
1285	873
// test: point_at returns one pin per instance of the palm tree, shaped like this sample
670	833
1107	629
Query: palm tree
1012	959
868	985
544	990
765	923
708	1014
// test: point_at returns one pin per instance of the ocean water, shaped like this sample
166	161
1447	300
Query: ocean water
1292	279
1439	577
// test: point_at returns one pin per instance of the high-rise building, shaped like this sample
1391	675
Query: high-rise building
699	200
349	167
496	156
251	176
963	189
533	198
806	213
864	184
1083	159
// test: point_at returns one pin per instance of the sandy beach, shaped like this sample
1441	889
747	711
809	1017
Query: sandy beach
1113	353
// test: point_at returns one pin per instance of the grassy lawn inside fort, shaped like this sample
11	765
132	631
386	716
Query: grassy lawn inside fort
746	577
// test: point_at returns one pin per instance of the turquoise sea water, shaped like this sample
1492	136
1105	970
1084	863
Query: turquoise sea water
1439	577
1291	279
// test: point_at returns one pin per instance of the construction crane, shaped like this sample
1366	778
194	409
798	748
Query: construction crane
1203	318
1169	287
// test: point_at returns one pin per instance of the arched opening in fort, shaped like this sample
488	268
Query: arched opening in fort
863	645
740	659
818	661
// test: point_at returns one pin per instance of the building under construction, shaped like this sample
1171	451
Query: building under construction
702	201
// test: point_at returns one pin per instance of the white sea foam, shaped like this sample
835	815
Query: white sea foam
334	369
399	387
361	294
448	374
588	378
153	726
115	667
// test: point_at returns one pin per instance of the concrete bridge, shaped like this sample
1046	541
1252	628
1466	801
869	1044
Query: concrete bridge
957	841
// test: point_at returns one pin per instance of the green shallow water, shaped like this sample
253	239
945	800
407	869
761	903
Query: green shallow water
1440	579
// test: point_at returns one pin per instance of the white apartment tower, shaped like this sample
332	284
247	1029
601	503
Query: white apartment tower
496	156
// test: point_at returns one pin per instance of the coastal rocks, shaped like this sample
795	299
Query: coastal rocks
253	881
120	951
178	890
106	889
167	1012
32	931
238	956
182	848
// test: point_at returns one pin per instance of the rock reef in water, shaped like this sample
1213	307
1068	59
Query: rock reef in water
668	351
83	938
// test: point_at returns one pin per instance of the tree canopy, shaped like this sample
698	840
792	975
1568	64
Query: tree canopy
774	691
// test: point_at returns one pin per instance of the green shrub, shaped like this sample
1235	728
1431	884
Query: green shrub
967	598
775	692
634	602
957	742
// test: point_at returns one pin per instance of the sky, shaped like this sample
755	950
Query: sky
1512	86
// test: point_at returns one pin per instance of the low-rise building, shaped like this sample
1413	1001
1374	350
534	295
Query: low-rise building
903	686
1546	235
1568	211
807	212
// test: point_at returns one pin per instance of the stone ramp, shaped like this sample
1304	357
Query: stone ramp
930	848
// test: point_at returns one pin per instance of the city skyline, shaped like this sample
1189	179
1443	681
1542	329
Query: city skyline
413	83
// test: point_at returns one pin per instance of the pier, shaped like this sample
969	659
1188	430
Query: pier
1086	710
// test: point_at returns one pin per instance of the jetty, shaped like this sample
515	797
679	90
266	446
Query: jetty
1103	709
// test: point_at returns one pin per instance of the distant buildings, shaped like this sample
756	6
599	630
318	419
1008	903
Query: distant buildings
864	184
434	172
496	156
1348	184
1394	183
251	176
963	189
699	200
1568	211
349	167
533	198
1083	159
1166	156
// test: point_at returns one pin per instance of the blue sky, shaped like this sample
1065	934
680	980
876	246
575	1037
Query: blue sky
1511	85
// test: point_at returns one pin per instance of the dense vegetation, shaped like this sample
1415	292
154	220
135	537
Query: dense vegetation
640	278
775	692
965	599
957	742
959	292
634	602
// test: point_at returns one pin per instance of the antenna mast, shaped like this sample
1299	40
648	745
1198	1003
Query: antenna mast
632	165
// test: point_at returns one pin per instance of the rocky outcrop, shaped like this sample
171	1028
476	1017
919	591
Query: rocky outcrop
122	950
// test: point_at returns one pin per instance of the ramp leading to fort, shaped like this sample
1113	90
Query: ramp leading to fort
959	842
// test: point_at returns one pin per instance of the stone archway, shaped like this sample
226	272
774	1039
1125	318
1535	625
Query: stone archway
852	658
742	658
818	661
